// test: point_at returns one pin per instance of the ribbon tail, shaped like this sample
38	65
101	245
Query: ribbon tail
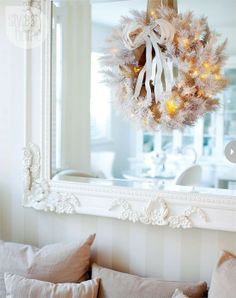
158	86
167	75
139	82
171	71
148	69
167	72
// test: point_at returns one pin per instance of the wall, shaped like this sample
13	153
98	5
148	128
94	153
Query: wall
145	250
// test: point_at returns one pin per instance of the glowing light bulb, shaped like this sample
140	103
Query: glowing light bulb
204	76
153	13
218	77
137	69
196	73
171	107
206	65
186	43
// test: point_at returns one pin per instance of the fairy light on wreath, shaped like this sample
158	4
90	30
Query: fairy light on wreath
165	71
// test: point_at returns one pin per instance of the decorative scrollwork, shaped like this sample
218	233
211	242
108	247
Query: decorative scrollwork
38	191
31	162
32	11
157	213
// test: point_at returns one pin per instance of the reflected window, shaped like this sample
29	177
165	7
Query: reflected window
230	108
100	106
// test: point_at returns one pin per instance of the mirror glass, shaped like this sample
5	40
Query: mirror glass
93	143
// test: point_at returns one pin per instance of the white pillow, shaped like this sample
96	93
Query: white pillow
18	286
178	294
56	263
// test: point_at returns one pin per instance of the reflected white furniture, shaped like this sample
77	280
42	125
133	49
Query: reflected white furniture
75	173
103	160
190	177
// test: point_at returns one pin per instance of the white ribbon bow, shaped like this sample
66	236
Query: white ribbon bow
154	35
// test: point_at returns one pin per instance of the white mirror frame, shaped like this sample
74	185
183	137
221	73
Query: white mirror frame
162	208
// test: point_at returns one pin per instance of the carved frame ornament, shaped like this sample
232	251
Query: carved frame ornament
38	190
41	197
176	209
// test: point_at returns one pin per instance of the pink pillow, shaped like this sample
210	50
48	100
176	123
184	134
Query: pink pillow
118	285
56	263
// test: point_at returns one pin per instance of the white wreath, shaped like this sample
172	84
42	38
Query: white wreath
165	73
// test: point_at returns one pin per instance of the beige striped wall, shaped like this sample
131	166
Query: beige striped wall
144	250
135	248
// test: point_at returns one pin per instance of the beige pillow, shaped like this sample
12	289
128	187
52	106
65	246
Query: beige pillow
223	282
179	294
18	286
56	263
116	285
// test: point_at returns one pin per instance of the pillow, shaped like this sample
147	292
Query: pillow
178	294
116	284
18	286
223	282
56	263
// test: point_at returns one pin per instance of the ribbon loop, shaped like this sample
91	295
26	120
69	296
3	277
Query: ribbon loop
153	36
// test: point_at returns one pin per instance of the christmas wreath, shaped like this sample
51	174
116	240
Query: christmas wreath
165	72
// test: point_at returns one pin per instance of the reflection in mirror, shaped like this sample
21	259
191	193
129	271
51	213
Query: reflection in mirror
91	140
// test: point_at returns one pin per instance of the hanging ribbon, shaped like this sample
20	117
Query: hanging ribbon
152	6
153	36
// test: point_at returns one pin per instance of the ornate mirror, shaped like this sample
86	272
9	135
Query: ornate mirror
88	158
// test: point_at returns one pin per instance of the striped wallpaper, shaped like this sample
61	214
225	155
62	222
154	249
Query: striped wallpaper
135	248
